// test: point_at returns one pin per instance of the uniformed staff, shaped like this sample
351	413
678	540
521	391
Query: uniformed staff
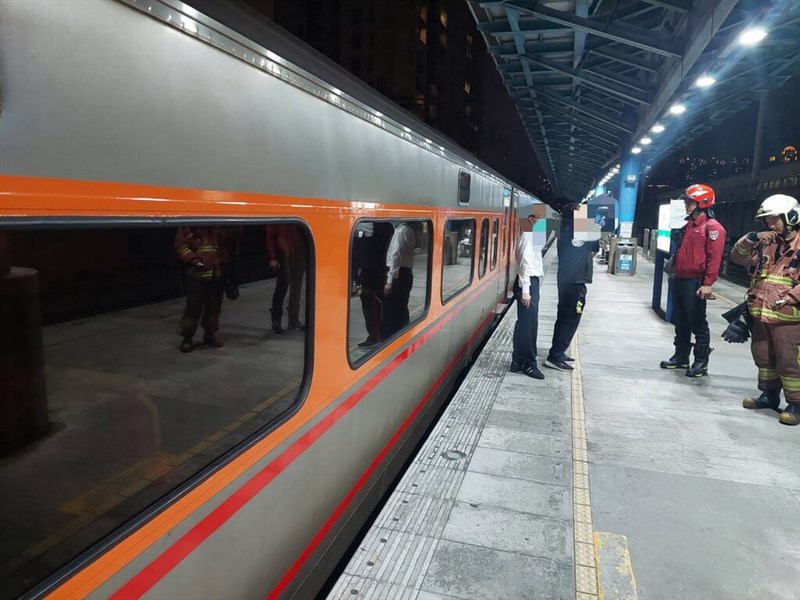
696	268
773	302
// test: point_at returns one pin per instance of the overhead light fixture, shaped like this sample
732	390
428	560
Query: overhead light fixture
705	81
645	141
636	150
752	36
657	128
677	109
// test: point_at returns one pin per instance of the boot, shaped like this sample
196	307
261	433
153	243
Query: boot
767	399
213	339
679	360
276	322
699	367
187	345
791	416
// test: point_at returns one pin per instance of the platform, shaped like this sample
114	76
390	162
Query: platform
620	480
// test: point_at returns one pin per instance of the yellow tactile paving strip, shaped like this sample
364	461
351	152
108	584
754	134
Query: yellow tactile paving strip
585	559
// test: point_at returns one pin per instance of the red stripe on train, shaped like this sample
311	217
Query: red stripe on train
148	577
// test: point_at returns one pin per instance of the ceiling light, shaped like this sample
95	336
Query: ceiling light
645	141
657	128
705	81
752	35
636	150
677	109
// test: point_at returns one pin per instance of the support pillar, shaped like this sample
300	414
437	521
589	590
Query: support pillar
628	188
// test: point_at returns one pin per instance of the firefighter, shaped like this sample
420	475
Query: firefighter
773	302
696	268
207	253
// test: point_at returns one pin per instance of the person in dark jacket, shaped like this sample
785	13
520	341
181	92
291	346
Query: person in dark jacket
696	268
371	264
575	270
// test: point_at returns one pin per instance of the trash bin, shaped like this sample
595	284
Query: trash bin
625	257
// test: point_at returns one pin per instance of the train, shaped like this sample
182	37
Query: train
240	469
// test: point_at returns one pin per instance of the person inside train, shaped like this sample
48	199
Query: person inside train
207	253
575	271
526	294
399	279
773	302
695	268
286	253
370	266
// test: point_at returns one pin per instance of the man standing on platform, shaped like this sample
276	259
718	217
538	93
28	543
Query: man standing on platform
773	302
575	270
526	293
695	269
399	279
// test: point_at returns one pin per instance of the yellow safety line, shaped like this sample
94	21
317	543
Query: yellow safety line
585	559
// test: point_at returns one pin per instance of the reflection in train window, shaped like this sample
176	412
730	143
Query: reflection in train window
112	409
484	255
458	256
389	281
495	225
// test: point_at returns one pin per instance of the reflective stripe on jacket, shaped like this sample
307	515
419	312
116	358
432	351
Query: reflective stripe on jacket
772	278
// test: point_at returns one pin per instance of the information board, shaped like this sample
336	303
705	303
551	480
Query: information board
664	229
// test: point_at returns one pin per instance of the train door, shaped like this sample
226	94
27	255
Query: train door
507	254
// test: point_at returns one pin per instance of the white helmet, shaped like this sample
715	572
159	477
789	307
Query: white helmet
781	205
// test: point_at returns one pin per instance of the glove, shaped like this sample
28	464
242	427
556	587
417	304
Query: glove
736	333
231	291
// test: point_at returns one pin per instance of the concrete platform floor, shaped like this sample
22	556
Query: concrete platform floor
619	481
706	492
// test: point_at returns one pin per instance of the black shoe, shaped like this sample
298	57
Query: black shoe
791	416
367	343
566	358
532	371
699	367
516	367
679	360
769	399
187	345
558	364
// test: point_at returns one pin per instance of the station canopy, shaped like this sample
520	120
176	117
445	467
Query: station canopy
594	80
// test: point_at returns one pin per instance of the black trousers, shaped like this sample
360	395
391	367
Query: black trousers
372	281
395	305
203	305
570	295
290	277
689	316
527	327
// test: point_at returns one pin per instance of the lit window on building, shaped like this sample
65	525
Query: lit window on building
468	87
443	40
423	35
773	159
789	154
443	17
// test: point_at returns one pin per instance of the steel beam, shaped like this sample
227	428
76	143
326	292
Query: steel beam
632	97
626	59
683	6
596	114
625	34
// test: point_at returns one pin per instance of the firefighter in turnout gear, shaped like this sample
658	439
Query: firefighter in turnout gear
206	252
773	302
696	268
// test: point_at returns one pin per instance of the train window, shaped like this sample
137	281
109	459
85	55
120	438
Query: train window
458	256
112	411
389	280
484	255
495	226
464	179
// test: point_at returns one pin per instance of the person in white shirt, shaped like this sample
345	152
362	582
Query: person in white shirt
399	279
526	293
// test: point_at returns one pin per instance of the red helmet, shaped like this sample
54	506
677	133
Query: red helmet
700	193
